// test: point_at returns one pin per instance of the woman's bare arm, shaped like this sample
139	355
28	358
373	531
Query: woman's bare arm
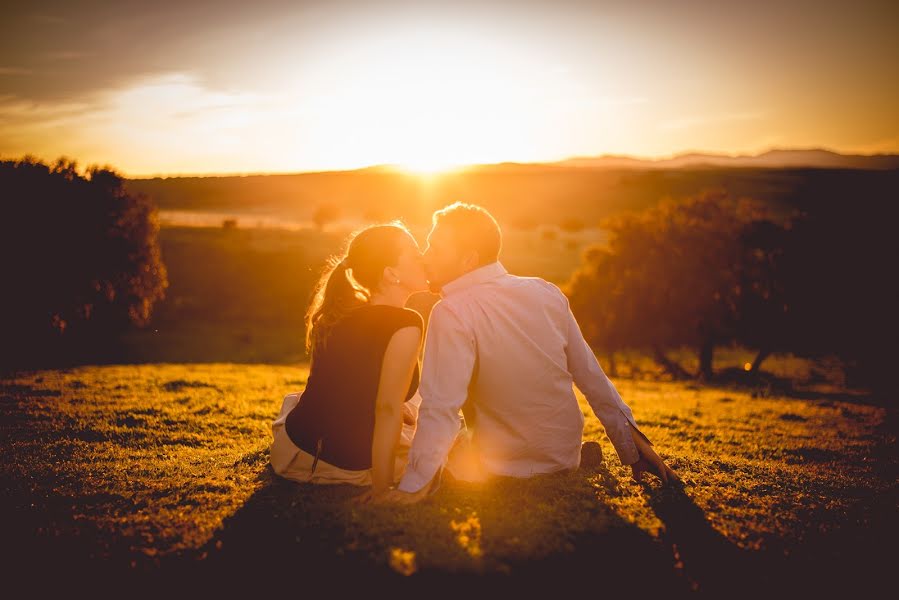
396	375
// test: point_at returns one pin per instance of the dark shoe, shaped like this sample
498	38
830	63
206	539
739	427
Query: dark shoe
591	456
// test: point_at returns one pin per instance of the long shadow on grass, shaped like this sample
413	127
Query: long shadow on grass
853	556
513	535
523	535
709	560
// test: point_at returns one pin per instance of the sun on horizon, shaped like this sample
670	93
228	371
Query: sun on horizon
432	88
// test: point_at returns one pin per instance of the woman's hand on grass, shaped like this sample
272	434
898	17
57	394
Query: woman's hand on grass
371	496
394	496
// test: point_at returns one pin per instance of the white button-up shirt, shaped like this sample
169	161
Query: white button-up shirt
511	347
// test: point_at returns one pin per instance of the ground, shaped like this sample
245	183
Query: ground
162	469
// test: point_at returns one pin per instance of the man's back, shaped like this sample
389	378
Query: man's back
510	347
526	417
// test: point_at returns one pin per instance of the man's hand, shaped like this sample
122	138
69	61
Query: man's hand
656	466
650	462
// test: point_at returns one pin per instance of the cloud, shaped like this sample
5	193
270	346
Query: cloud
64	55
153	123
15	71
621	100
17	113
168	96
45	18
692	121
881	146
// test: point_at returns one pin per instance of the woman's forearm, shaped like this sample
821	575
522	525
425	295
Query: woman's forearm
388	426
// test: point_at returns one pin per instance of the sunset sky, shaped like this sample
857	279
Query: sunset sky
237	87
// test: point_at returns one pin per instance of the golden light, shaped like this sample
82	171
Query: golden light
429	167
464	96
468	534
457	100
747	366
403	561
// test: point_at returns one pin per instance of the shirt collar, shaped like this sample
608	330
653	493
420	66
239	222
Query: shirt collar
479	275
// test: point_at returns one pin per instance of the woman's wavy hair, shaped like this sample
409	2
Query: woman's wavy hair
350	278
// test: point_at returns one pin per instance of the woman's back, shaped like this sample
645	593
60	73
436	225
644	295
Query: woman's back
338	405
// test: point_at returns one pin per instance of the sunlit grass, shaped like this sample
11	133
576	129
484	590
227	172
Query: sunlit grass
156	454
172	460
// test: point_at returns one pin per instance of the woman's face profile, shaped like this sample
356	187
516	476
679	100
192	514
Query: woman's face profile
410	268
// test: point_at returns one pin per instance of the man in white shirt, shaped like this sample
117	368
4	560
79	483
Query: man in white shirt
509	349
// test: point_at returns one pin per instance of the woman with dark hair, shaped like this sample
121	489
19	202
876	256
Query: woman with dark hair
355	419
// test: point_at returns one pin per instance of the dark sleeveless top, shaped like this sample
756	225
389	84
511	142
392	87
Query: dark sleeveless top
338	404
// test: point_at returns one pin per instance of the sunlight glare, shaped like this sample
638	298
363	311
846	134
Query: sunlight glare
429	167
454	102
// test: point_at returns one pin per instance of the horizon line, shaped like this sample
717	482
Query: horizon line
463	167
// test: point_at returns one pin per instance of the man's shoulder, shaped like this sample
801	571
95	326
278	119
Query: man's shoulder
445	308
539	286
527	290
544	284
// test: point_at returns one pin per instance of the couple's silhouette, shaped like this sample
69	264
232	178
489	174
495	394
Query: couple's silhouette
504	351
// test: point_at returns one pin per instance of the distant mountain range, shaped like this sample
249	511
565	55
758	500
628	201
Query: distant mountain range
772	159
796	158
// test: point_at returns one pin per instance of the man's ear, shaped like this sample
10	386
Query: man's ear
471	260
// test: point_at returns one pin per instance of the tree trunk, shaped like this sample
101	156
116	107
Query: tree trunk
706	352
757	361
671	367
613	365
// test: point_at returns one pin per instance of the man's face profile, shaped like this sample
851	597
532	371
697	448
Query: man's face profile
443	262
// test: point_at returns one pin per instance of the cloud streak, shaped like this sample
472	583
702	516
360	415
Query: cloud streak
294	85
694	121
153	120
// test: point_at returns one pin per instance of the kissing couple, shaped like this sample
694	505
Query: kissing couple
502	350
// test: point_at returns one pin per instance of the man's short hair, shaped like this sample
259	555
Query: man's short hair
473	228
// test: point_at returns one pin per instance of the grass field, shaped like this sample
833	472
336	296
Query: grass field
162	469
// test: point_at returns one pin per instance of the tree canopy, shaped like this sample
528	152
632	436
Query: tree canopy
710	270
80	258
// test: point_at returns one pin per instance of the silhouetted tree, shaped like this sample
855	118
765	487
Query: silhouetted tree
324	214
764	312
670	277
80	260
814	282
838	265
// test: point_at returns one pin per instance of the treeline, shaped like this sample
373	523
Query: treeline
810	274
524	196
80	261
712	270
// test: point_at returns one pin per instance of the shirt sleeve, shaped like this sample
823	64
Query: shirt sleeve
616	416
446	373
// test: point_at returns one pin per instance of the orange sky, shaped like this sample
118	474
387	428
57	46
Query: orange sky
286	86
